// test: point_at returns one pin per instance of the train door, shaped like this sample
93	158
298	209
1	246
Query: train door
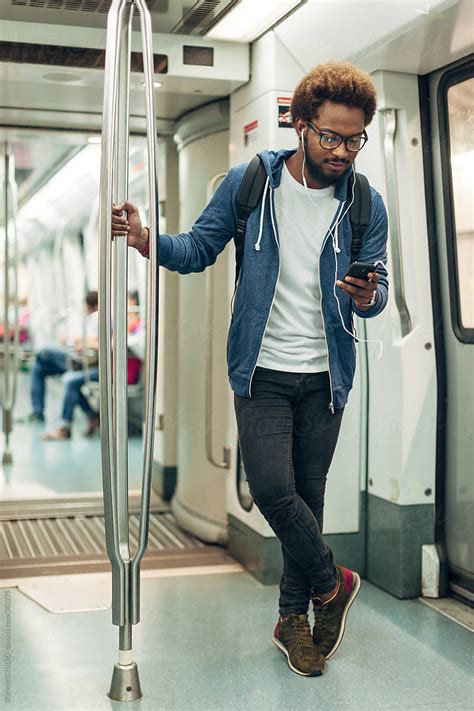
451	98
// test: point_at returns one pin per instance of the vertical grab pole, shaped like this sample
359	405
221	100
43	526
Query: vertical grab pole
119	310
10	365
125	684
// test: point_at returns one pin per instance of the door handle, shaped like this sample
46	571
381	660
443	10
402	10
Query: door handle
393	209
209	301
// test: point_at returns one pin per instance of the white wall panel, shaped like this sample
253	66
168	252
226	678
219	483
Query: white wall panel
402	384
199	503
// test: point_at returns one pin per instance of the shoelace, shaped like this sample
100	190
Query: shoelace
303	634
320	618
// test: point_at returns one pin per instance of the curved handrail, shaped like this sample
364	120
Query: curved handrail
119	19
393	210
209	300
152	303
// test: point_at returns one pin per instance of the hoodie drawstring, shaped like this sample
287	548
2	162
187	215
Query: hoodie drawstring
262	210
336	245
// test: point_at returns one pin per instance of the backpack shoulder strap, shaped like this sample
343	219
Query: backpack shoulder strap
359	213
248	197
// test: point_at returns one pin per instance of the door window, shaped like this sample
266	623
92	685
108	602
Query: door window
457	137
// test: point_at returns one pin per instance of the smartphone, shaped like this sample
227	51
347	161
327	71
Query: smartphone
360	270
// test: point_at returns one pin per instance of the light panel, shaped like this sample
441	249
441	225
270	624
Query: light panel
249	19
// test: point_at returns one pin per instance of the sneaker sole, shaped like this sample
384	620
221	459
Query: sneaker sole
351	599
283	649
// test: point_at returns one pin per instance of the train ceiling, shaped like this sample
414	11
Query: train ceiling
189	17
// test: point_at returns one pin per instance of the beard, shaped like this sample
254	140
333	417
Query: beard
316	173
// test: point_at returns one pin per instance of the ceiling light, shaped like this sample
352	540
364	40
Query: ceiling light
156	84
62	77
249	19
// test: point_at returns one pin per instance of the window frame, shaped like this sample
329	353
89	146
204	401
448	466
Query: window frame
451	78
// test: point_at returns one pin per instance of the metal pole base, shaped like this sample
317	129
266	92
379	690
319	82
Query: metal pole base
7	458
125	684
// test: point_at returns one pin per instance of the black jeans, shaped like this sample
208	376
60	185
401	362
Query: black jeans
287	438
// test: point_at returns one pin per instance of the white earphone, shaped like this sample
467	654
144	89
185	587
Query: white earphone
304	160
337	251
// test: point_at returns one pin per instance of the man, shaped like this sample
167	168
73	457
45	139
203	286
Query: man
75	379
290	351
55	360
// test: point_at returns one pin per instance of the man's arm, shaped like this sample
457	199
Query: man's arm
374	250
191	251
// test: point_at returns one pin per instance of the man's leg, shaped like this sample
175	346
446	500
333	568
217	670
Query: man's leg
314	441
49	361
81	400
73	381
92	415
265	425
315	433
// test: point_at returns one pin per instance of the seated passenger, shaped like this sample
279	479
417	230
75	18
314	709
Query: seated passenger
53	360
73	381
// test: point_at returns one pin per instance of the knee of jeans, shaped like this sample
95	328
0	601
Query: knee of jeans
278	508
42	355
71	380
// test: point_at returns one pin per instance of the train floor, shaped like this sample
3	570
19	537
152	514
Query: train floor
204	644
204	640
56	469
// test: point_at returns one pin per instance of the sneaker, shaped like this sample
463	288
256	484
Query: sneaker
30	419
60	433
293	637
93	426
330	616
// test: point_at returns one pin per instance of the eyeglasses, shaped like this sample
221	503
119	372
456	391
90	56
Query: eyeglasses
329	140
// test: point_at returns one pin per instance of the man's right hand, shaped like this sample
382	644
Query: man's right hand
126	221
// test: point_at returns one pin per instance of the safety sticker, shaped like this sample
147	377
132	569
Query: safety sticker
284	113
250	132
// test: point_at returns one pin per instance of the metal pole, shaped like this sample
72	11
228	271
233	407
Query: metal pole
119	288
10	358
59	262
125	684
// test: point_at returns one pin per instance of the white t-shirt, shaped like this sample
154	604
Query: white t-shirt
294	338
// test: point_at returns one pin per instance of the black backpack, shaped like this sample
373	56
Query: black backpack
250	192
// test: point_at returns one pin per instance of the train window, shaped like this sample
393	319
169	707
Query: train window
457	139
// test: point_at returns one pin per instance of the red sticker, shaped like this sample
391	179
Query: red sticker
284	112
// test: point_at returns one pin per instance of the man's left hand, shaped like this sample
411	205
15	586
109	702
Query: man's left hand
361	290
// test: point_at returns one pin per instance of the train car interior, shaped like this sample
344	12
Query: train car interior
124	502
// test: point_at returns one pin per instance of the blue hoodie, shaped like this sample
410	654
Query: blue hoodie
195	250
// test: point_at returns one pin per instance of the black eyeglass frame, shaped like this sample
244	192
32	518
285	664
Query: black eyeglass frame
342	139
